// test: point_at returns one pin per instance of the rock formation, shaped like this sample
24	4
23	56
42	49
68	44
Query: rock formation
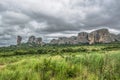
73	40
19	39
82	37
64	40
34	40
118	37
97	36
31	39
38	40
100	36
54	41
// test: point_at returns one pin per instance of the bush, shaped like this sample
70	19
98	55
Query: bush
41	51
20	52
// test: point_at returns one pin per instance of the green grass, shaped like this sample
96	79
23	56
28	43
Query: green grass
96	62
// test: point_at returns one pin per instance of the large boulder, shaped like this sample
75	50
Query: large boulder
19	39
82	37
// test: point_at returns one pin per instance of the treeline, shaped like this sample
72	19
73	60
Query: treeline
55	49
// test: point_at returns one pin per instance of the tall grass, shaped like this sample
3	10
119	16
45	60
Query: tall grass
69	63
72	67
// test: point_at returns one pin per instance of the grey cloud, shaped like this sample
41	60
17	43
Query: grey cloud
67	17
14	18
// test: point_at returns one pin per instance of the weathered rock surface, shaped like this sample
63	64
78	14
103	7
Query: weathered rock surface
33	39
97	36
118	37
54	41
82	37
64	40
73	40
38	40
100	36
19	39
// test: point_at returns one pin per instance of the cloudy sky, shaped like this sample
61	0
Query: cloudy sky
53	18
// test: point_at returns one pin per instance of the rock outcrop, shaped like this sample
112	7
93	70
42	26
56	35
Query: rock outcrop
100	36
31	39
73	40
64	40
19	39
118	37
34	40
54	41
82	38
97	36
38	40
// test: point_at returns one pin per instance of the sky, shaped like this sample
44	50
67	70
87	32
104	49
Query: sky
55	18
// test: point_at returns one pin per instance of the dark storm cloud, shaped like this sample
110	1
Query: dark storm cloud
52	18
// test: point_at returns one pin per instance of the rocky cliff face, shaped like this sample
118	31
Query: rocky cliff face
64	40
100	36
82	37
54	41
33	39
118	37
38	40
73	40
97	36
19	39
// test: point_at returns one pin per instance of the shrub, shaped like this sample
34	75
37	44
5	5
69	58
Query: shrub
41	51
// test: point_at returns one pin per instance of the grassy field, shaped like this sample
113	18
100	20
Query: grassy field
80	62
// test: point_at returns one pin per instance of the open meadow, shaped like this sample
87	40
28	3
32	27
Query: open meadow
64	62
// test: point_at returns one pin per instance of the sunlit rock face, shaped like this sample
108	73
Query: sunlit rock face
82	37
19	39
